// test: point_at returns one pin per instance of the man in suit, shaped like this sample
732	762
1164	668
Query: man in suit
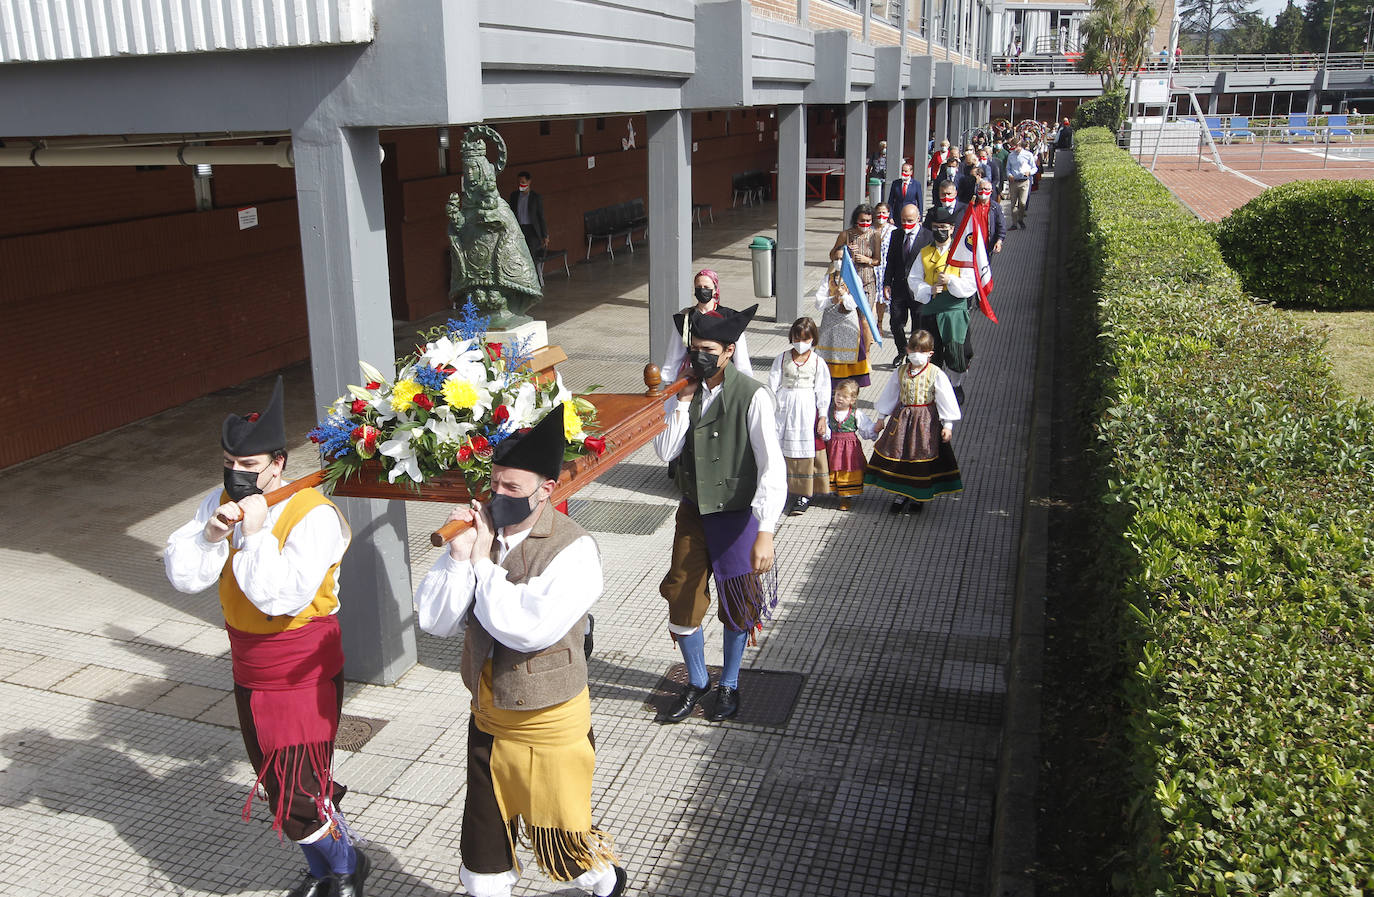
946	197
992	169
528	207
903	249
906	190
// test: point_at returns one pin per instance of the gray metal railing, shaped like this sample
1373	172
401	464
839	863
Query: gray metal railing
1260	62
1242	143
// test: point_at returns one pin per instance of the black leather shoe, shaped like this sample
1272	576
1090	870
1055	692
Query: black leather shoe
898	360
898	505
310	886
351	885
685	704
727	704
621	880
587	639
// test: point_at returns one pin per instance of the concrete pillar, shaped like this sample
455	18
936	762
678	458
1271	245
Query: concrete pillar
896	138
791	249
855	155
942	119
1212	104
348	308
670	210
920	140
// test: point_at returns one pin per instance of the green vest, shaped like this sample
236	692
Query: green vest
716	469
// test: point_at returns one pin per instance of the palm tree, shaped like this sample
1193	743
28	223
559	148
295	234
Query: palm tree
1115	37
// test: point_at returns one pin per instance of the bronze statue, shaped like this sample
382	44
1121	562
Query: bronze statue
491	262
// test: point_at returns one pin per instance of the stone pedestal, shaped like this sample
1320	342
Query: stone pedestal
534	333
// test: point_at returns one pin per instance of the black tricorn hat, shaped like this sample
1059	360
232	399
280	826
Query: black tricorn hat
540	448
945	216
723	326
257	433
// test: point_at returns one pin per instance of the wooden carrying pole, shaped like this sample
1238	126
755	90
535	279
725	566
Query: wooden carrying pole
277	496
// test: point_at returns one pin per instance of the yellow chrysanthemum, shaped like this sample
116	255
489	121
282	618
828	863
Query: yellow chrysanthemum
403	394
572	424
459	393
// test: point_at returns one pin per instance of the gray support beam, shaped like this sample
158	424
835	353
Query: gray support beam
896	140
791	250
855	155
670	210
942	119
920	140
348	307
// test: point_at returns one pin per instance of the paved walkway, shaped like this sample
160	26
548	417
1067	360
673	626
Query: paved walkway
121	771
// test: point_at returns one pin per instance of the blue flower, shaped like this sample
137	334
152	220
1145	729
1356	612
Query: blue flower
334	436
469	324
500	432
429	377
519	354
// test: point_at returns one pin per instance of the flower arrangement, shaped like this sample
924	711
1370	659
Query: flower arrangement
452	403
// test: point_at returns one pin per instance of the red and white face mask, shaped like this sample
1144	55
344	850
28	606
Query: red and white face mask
865	225
985	195
909	227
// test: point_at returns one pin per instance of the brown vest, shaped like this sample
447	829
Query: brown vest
520	680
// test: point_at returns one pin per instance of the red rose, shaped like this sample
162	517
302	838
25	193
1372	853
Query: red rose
424	401
494	350
373	384
595	444
464	453
500	414
251	416
480	444
358	406
315	438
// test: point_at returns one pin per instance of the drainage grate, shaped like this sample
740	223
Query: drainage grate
628	518
767	697
356	731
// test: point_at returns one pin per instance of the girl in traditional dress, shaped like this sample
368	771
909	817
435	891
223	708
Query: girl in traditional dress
843	453
844	337
800	382
912	458
884	227
862	239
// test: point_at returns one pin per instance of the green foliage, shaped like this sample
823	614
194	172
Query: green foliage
1330	264
1347	30
1236	538
1106	111
1286	35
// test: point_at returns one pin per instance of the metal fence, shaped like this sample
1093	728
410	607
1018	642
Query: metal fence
1253	143
1067	64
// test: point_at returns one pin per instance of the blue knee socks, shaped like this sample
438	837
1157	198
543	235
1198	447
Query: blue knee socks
734	654
319	867
336	852
693	648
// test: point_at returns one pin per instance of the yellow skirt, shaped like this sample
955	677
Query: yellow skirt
541	769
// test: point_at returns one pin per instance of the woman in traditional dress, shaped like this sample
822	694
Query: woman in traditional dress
843	339
706	293
862	239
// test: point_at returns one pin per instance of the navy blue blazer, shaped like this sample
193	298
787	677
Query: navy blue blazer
896	198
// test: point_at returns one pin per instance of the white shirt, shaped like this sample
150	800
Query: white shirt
771	492
524	617
1021	165
277	582
962	285
946	405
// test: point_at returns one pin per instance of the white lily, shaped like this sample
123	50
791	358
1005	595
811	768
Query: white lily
444	426
522	410
372	374
461	355
403	453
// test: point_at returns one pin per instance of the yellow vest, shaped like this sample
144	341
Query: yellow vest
935	262
241	613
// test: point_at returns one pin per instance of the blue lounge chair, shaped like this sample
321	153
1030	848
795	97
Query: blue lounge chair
1214	127
1338	126
1297	126
1240	127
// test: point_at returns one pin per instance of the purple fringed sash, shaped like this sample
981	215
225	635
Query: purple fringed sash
746	598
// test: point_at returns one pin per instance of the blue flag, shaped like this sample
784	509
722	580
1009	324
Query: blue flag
850	275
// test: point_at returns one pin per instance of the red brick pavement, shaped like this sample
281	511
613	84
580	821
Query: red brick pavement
1213	194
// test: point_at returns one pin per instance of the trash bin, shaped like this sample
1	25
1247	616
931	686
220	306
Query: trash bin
875	191
764	266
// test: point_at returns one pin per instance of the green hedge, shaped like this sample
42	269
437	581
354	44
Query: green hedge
1305	244
1106	111
1236	536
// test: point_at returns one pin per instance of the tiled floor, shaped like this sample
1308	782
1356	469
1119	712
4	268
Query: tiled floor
121	772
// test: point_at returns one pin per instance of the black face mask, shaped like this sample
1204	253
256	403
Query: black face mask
239	484
508	510
705	294
704	364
